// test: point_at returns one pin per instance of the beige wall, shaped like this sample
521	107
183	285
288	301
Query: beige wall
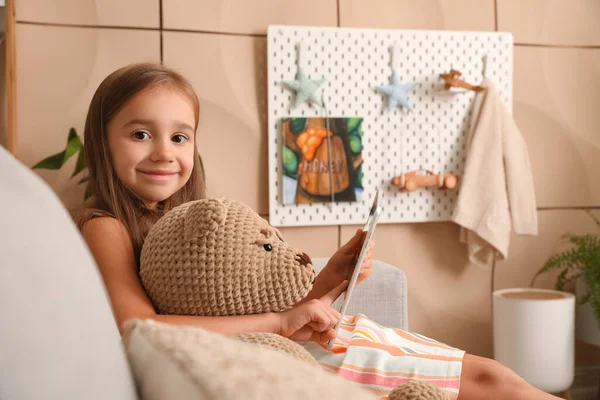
66	47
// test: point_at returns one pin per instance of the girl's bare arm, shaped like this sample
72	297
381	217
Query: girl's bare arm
112	249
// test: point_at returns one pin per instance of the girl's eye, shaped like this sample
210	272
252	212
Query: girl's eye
268	247
179	138
141	135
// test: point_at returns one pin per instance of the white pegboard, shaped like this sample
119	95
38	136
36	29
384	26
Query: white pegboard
432	136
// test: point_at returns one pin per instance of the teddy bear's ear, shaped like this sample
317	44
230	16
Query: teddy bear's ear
203	217
278	234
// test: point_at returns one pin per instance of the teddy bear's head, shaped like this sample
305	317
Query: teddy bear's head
217	257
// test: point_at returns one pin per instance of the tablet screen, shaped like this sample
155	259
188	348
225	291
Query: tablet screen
369	228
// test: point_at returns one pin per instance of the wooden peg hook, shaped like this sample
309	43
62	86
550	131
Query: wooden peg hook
410	181
452	79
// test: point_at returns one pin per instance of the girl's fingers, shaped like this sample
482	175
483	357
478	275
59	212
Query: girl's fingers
304	333
323	324
329	335
323	336
355	242
330	297
315	327
324	318
334	315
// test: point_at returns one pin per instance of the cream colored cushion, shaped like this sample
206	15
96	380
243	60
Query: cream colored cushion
176	362
58	338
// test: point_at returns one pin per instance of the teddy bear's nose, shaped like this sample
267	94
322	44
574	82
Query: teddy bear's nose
304	259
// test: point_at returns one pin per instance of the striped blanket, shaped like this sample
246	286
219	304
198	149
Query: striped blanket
384	358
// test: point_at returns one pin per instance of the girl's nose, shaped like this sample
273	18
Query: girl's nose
162	151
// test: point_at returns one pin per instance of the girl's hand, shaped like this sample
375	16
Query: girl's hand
313	320
341	265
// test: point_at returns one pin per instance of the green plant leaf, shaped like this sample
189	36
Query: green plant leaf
582	260
81	164
584	299
567	259
202	169
56	161
593	216
584	241
73	144
562	280
87	193
84	180
594	300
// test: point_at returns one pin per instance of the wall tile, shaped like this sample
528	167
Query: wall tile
448	298
551	22
229	76
556	97
125	13
320	241
471	15
527	254
58	70
247	17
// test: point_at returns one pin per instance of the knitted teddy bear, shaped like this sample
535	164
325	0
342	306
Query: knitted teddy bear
218	257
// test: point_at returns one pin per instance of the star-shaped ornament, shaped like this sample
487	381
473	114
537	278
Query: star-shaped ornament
397	92
305	89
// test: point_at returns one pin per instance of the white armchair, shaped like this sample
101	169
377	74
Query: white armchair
382	297
58	339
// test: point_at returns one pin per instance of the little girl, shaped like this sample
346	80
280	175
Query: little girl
140	147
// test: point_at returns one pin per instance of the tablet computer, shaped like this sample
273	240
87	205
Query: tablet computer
369	228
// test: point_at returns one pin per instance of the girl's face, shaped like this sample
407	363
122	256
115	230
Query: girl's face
151	140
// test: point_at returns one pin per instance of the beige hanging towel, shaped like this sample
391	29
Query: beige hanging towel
497	185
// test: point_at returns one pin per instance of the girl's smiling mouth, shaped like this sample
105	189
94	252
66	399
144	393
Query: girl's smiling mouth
158	174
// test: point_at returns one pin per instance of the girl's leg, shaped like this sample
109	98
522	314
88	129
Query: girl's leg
483	378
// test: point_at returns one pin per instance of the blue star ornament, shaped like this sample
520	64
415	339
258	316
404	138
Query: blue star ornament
397	92
305	89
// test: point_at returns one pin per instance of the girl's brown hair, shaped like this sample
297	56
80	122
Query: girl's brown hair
109	195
